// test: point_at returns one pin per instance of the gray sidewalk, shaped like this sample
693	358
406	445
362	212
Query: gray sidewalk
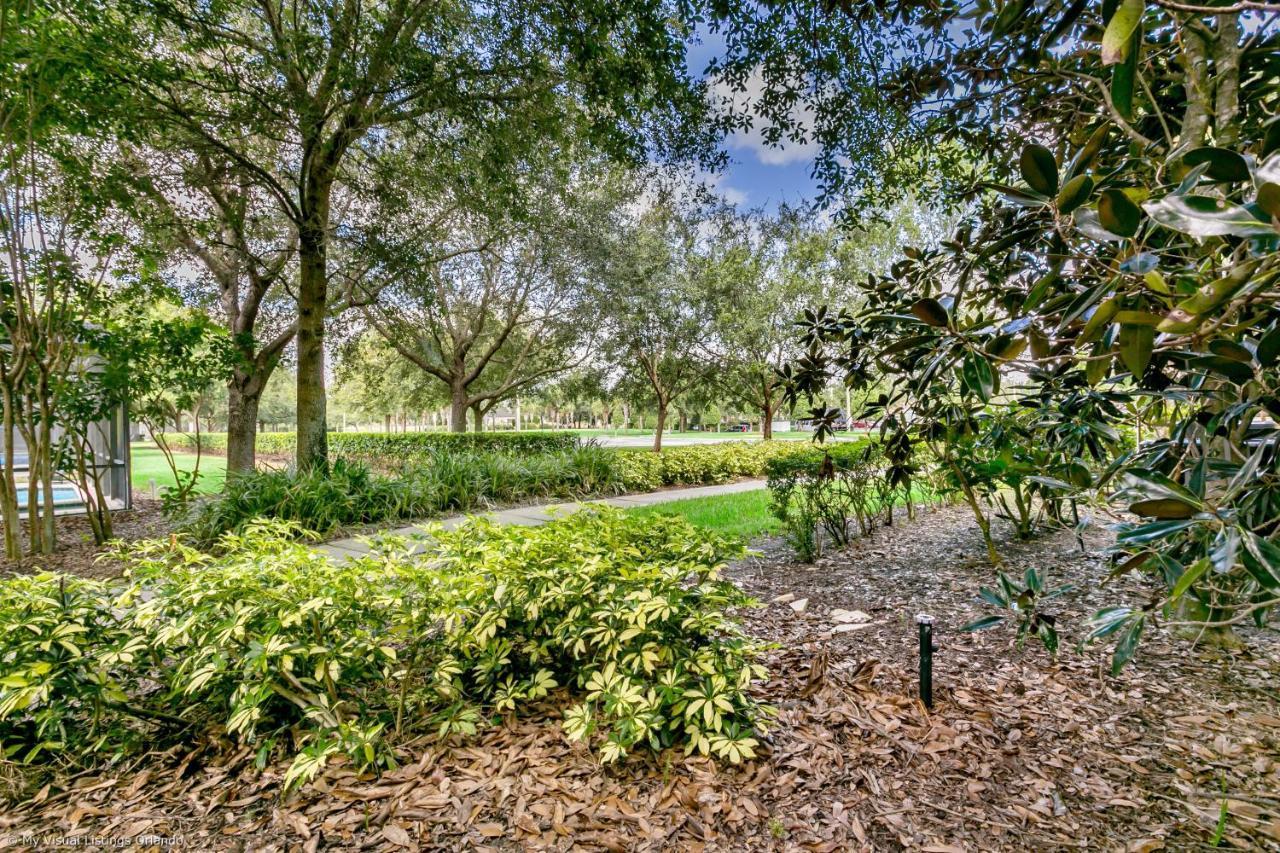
532	516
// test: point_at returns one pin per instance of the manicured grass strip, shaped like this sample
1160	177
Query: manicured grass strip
741	514
148	464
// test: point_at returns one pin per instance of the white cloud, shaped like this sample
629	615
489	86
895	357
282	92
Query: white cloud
753	141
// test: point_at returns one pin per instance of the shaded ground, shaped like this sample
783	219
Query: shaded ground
77	554
1019	753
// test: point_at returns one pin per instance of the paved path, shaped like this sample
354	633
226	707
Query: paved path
532	516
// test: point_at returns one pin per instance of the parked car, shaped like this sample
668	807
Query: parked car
738	428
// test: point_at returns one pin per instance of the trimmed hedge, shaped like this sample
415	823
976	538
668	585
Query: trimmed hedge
701	464
388	445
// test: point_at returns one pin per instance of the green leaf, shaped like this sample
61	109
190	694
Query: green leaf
1074	193
1136	344
930	311
1106	622
1127	645
978	376
1269	199
1262	560
1269	347
1189	577
1115	39
1039	169
1224	164
1162	508
982	624
1118	214
1124	76
1154	484
1230	349
1144	533
1205	216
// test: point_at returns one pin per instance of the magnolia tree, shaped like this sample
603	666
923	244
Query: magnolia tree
1119	274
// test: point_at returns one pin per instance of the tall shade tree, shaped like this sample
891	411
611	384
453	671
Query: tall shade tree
197	204
766	270
330	80
659	312
488	322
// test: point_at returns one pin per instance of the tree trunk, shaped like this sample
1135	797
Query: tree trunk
313	294
458	410
477	416
662	422
9	490
243	398
766	419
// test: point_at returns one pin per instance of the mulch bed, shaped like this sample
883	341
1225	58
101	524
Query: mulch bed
1019	752
78	555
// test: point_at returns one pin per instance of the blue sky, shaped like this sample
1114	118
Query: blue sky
758	175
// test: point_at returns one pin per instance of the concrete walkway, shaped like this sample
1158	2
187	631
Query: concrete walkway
532	516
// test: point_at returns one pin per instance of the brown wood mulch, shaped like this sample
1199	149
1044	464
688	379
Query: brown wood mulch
1019	752
78	555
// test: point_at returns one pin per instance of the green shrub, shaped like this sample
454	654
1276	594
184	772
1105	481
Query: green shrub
352	494
831	490
380	447
699	464
622	621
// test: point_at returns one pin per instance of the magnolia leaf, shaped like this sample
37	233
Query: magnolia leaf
1224	164
1205	216
1127	645
1074	193
1101	317
1118	214
1136	344
1156	282
1269	199
1087	222
1269	347
1230	368
1271	137
930	311
1039	169
1097	367
1162	508
1138	318
1115	39
1124	75
1230	349
982	624
1139	264
1189	577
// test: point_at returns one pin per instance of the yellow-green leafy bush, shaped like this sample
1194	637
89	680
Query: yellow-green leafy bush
623	621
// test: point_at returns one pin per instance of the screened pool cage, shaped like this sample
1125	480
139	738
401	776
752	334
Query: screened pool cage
109	440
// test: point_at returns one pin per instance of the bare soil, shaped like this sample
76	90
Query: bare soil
1020	752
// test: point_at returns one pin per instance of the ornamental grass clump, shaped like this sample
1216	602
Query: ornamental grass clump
621	624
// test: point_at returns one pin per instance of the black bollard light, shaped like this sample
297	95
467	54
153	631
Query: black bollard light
925	621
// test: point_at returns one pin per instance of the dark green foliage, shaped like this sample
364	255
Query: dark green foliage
1023	601
351	493
389	447
832	492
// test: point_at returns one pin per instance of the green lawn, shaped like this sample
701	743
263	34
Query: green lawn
742	514
149	464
